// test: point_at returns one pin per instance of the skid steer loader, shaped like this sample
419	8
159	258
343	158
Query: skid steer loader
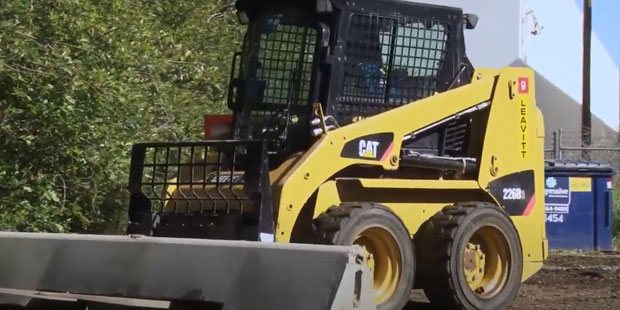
363	123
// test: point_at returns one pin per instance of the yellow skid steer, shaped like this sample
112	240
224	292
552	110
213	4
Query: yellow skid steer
364	156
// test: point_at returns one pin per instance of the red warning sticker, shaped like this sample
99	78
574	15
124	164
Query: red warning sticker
524	85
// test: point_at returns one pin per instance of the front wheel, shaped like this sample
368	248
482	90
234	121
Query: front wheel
385	238
471	258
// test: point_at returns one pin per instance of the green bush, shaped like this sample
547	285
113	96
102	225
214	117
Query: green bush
82	80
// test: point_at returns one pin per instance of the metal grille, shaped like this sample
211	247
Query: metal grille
450	139
284	61
389	62
192	177
456	136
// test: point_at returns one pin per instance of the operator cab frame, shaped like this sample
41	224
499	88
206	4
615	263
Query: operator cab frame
296	54
356	58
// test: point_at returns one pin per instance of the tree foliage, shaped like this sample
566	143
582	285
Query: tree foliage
81	80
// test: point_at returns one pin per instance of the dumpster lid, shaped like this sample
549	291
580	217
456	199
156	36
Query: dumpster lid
579	167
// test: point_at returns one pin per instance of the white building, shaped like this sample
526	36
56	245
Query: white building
546	35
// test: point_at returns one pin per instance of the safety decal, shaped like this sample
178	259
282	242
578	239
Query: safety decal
515	192
524	112
370	147
524	85
523	127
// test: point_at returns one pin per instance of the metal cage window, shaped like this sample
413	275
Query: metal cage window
278	65
284	59
389	62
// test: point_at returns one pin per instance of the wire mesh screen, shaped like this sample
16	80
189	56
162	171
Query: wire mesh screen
455	139
450	139
389	62
193	178
284	61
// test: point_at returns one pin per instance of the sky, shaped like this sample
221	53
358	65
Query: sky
556	52
606	24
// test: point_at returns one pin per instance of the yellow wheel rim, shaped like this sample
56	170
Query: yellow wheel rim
486	262
384	261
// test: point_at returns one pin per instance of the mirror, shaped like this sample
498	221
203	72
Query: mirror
243	18
471	20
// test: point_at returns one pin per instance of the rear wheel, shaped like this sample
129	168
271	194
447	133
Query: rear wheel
384	236
471	258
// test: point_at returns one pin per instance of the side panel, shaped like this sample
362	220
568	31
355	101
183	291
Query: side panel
322	161
413	201
513	145
512	163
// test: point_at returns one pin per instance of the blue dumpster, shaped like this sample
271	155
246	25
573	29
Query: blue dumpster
578	205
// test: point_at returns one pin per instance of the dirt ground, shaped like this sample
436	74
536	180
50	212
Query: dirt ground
585	281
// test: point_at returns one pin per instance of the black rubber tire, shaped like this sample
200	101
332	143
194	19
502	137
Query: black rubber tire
417	242
339	225
440	256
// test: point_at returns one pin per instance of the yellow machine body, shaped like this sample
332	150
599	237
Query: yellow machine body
512	142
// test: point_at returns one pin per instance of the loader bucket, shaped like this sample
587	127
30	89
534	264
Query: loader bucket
166	273
203	189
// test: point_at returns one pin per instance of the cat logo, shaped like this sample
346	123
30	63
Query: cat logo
368	149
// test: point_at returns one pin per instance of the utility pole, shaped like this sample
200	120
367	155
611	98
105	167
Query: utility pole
586	116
